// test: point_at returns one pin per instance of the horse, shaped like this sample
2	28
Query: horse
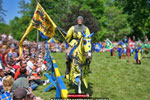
81	55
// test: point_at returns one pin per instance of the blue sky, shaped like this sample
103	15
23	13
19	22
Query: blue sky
12	8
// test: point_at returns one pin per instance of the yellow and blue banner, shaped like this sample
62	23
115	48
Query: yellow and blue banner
42	22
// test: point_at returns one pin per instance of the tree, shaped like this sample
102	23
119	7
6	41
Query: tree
115	24
139	15
4	28
89	20
2	12
24	7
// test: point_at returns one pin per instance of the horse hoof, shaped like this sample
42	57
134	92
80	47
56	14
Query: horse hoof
79	92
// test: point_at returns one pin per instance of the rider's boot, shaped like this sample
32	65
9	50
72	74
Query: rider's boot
89	69
67	68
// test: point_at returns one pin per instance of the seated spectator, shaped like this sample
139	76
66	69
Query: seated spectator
22	73
30	64
21	82
23	64
8	83
2	59
22	76
10	59
6	70
1	79
22	94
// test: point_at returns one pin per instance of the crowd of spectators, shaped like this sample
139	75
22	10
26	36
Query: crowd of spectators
20	75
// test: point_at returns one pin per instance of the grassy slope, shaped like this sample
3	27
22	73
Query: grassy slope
111	77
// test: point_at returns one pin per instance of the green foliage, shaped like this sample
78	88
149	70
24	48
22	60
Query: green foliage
108	18
115	24
138	15
24	7
89	20
4	28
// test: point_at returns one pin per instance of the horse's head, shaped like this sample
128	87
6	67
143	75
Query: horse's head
87	44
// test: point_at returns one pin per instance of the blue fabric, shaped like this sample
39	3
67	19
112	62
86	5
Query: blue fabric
77	79
15	54
139	48
71	52
1	87
126	40
33	86
125	51
10	55
111	50
93	46
132	50
98	47
136	54
5	96
119	51
1	90
66	45
121	43
43	36
52	40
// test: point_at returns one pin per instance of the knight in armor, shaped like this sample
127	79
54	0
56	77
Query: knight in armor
73	36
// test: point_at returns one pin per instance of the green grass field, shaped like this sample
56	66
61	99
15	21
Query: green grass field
111	78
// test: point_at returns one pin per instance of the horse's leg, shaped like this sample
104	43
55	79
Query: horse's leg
79	87
85	75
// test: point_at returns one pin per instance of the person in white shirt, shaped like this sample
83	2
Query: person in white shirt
30	64
10	37
3	36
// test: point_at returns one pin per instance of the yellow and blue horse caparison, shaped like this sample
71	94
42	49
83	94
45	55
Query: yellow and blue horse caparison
79	65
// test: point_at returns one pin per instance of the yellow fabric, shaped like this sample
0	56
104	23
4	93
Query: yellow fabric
87	31
54	40
42	22
73	43
80	50
75	72
71	40
71	34
139	54
22	39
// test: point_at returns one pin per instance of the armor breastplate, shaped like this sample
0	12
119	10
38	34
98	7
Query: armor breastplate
77	31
